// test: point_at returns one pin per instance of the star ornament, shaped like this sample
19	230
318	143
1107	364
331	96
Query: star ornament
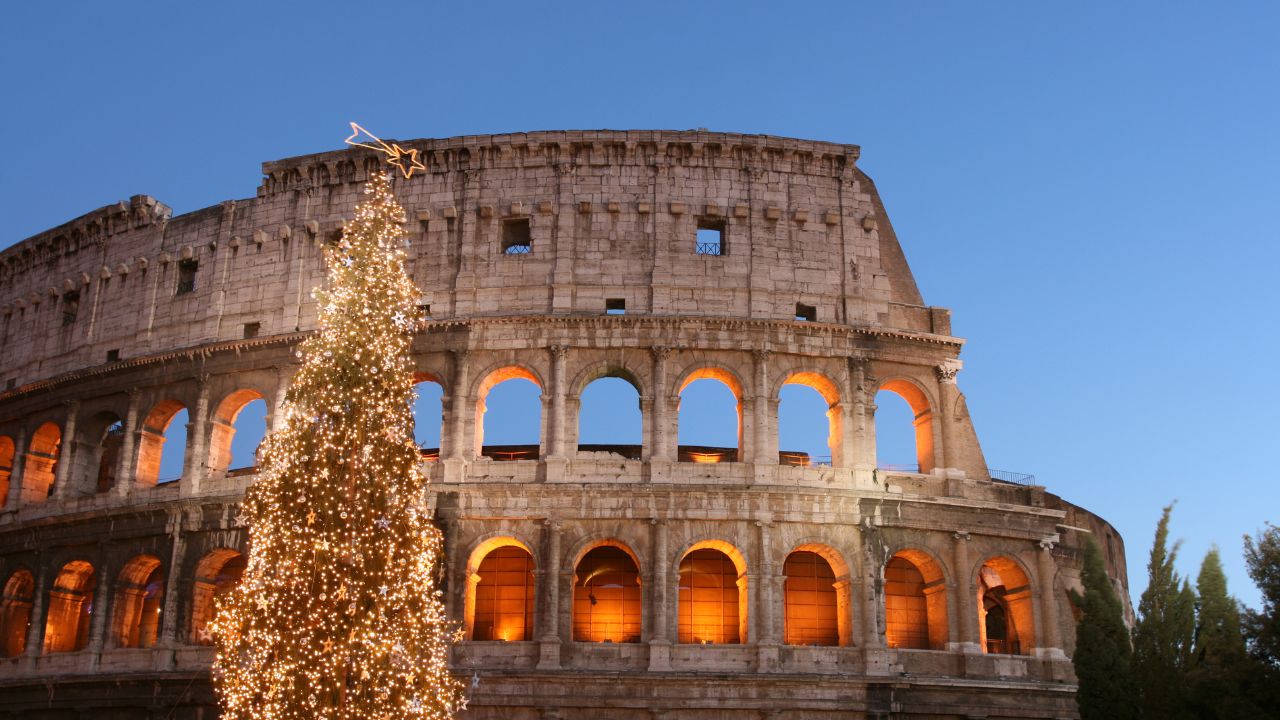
406	160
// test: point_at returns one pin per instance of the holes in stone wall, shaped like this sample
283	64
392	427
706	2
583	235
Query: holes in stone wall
428	416
517	239
904	429
138	598
710	418
504	596
710	595
609	417
216	574
607	603
187	276
809	600
806	313
509	415
15	613
712	237
70	608
615	306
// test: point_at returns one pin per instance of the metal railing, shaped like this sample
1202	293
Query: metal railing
1013	478
710	248
911	468
518	249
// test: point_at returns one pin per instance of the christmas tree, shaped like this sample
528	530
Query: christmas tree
338	615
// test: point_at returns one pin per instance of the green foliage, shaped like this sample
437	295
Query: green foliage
1219	667
1103	658
1164	635
1262	628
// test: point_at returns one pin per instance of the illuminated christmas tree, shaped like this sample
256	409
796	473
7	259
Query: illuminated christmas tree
338	614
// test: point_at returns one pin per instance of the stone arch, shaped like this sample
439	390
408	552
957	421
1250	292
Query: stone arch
729	379
490	379
1005	606
635	421
217	572
96	454
922	407
712	597
139	596
67	615
501	591
817	606
223	425
830	392
15	612
151	443
40	468
608	598
915	601
7	450
425	412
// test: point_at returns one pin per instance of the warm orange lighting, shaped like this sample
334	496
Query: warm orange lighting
915	602
504	596
709	599
810	600
702	457
606	597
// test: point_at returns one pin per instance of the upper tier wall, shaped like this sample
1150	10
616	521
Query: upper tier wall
611	215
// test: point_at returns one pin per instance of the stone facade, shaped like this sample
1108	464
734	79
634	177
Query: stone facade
126	315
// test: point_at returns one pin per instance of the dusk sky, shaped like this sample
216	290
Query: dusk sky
1093	189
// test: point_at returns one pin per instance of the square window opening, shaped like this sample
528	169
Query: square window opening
251	330
516	237
10	383
424	310
113	354
712	238
615	306
187	276
806	313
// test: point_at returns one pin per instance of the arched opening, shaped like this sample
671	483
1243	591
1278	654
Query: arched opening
428	415
501	592
609	417
904	428
710	417
809	600
41	463
810	422
163	443
607	602
6	467
712	593
1005	613
238	426
139	595
915	602
66	627
15	613
108	457
216	574
509	415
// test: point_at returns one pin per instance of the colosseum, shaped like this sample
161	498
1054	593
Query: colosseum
651	580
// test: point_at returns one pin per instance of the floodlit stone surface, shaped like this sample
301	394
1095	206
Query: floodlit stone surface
935	593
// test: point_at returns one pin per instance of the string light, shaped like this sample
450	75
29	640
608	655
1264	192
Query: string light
404	159
338	615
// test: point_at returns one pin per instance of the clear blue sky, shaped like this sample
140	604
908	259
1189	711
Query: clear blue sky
1091	187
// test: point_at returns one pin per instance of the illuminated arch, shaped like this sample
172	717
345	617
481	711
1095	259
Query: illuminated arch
138	599
817	596
730	380
217	573
7	450
915	600
15	612
223	426
151	444
41	464
830	393
501	591
608	601
922	409
1006	614
712	596
488	382
66	626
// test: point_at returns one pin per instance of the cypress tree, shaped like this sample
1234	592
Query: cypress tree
1218	663
1102	658
1262	628
1163	636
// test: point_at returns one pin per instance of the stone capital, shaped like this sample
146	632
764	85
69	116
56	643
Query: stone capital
559	352
947	371
960	535
660	352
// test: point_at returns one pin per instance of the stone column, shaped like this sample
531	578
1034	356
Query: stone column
661	445
760	412
125	470
549	643
35	631
457	448
763	608
14	498
167	642
964	632
844	605
61	474
860	433
195	463
945	456
660	637
558	421
275	404
103	607
872	601
1049	644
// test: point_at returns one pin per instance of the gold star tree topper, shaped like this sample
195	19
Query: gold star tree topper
404	159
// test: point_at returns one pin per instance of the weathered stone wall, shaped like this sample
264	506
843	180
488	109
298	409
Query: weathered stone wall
612	215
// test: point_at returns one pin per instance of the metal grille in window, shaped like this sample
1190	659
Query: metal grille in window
709	248
187	276
711	237
516	236
518	250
